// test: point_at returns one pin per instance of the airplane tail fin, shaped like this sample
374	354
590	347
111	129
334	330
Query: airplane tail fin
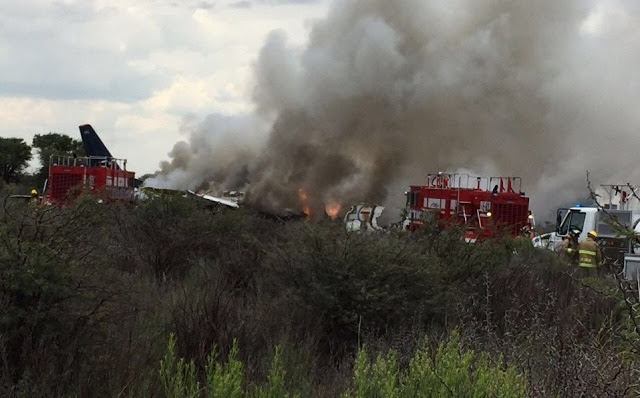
93	145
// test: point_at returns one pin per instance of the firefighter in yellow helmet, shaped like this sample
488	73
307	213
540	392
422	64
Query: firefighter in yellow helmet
34	196
589	254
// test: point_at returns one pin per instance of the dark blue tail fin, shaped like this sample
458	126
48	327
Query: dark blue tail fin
93	145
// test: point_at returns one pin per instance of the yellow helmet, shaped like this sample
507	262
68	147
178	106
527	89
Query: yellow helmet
593	233
34	192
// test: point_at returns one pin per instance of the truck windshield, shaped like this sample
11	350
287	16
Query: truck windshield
573	220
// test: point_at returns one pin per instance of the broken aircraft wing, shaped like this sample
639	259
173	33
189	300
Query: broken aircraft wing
225	202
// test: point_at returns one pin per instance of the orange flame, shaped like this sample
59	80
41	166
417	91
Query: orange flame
332	209
303	197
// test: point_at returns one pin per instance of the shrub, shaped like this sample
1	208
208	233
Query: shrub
89	295
178	375
452	371
349	281
222	380
225	380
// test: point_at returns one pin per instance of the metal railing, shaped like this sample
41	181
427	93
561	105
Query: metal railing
467	181
88	161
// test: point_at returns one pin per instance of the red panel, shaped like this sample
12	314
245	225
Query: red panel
509	210
66	182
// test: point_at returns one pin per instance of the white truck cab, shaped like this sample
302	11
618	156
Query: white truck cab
587	219
567	220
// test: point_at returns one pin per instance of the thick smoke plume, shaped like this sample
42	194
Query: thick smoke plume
386	91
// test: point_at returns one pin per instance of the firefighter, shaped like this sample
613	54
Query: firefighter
34	197
569	248
565	249
522	243
590	256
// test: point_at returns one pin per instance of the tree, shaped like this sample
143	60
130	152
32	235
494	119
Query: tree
14	156
54	144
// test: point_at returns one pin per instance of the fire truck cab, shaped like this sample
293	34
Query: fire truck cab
484	205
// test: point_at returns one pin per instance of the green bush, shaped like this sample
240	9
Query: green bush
350	281
225	380
274	386
222	380
451	371
178	375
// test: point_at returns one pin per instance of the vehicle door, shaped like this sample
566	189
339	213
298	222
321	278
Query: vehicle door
573	220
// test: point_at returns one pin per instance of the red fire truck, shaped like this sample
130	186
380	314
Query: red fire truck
484	205
106	178
98	173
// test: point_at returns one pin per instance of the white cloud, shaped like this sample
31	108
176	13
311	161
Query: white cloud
133	68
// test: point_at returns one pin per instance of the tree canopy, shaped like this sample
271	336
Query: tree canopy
54	144
14	156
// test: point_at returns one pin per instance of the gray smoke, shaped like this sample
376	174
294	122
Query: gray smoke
386	91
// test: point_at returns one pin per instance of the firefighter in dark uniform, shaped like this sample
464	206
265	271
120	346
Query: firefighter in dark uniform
522	243
569	247
567	251
590	256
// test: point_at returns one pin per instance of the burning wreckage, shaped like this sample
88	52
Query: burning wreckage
483	205
378	91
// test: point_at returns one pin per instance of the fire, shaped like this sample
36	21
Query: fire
303	197
332	209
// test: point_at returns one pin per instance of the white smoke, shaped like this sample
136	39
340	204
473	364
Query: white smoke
217	152
386	91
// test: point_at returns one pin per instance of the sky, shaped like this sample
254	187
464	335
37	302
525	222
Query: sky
545	89
135	69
